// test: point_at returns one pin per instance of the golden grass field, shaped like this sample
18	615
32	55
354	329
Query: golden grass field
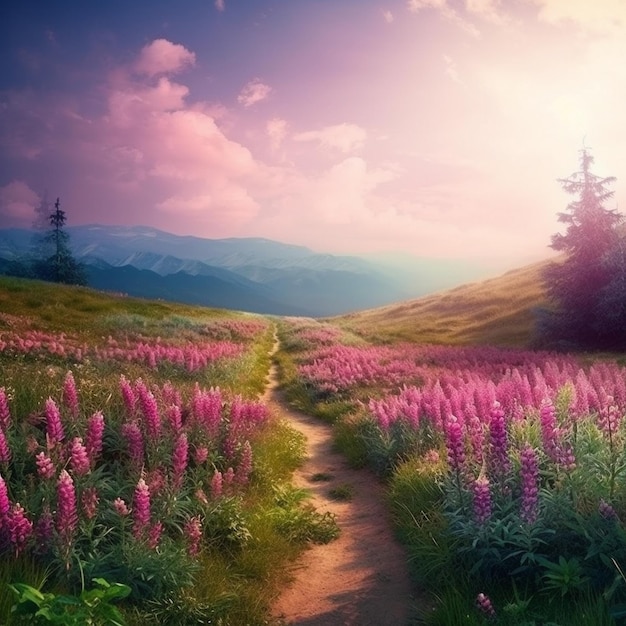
497	311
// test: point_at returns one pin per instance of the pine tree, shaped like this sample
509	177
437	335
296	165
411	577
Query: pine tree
60	266
580	286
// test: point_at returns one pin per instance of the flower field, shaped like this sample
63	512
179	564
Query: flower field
506	468
137	465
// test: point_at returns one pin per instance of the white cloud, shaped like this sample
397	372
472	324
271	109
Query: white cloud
255	91
604	16
343	137
163	57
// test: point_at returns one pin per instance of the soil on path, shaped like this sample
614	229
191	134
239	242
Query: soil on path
361	578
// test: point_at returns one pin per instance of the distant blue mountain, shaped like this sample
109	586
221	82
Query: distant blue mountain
253	274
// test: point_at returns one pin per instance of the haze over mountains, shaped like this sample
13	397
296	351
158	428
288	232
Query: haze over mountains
252	274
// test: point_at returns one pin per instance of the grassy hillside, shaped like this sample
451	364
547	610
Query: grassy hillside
498	311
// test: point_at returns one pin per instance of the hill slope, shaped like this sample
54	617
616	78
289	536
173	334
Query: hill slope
498	311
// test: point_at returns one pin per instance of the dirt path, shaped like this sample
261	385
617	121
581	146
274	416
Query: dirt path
360	579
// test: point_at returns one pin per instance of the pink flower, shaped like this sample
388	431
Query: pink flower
128	396
134	441
484	605
245	464
45	466
482	500
78	457
180	458
201	454
455	443
89	501
154	535
141	507
549	430
5	414
606	510
5	450
121	507
44	530
66	516
54	427
70	395
20	527
193	533
150	410
499	442
174	417
217	484
5	503
93	438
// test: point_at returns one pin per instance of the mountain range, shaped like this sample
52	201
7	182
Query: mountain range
252	274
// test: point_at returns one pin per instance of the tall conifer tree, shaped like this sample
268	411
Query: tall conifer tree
579	283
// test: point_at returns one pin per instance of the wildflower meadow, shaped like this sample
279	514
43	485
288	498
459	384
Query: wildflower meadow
141	478
506	468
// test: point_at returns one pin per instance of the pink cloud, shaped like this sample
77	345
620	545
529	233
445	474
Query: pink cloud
219	5
253	92
18	202
163	57
343	137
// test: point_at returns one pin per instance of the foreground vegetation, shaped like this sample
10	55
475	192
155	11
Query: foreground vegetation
506	468
141	481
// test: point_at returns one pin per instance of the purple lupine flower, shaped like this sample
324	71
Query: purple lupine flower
606	510
70	395
154	535
201	454
93	438
567	459
66	515
455	443
180	458
134	440
5	503
89	502
5	450
529	485
193	533
499	442
485	606
78	457
5	414
129	397
245	464
549	430
229	479
19	526
149	409
609	420
141	508
481	500
44	530
54	426
45	466
217	484
174	417
121	508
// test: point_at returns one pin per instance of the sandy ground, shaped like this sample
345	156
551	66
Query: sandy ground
361	578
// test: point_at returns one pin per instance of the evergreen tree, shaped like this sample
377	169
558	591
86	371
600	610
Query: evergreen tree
582	286
60	266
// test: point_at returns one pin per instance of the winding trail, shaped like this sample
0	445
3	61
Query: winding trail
361	578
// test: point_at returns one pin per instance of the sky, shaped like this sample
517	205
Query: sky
437	128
